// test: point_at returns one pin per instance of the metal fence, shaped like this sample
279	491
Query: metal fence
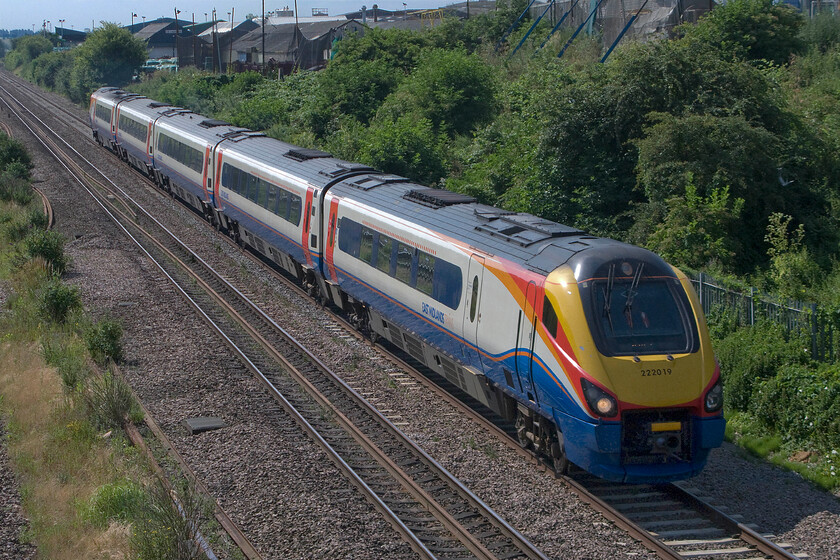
749	307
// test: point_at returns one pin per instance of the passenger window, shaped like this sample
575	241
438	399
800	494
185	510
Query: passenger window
549	317
383	253
405	255
366	248
447	283
474	299
349	236
272	198
294	210
261	197
425	272
253	188
283	204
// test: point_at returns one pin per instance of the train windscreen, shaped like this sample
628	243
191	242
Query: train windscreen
631	312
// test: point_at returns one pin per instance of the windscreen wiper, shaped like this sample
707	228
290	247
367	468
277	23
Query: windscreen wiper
607	291
631	293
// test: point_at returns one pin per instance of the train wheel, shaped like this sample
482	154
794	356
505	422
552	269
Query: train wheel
522	425
558	454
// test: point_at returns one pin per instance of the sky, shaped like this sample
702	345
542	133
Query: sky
81	14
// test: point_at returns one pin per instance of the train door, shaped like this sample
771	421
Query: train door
472	313
114	117
330	235
525	344
207	176
307	241
149	154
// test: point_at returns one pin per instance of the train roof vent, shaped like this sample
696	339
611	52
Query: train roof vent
437	198
175	111
525	229
345	169
210	123
240	134
127	95
304	154
367	182
159	104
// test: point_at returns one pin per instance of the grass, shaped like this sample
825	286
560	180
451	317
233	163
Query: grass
83	487
60	458
822	469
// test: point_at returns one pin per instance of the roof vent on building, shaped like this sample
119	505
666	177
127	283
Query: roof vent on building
437	198
304	154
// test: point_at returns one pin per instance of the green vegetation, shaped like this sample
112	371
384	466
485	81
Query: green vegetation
85	491
109	56
718	148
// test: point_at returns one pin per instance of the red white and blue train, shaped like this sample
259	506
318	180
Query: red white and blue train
597	350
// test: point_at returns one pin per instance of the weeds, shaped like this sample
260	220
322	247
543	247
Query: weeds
15	189
162	531
104	341
57	300
68	356
48	245
122	500
109	401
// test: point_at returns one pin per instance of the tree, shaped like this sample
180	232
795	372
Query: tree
696	230
750	30
453	90
26	49
407	147
586	155
357	89
792	270
109	56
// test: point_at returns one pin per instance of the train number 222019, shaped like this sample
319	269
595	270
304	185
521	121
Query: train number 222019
656	371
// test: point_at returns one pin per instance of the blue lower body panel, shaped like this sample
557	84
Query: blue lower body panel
596	448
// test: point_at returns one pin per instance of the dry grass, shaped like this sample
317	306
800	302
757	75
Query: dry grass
59	458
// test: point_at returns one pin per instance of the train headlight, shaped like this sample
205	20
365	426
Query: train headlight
714	398
599	401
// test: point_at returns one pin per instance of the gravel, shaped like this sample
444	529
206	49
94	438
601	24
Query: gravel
275	483
12	521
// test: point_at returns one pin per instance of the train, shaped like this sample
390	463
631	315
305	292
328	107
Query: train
596	351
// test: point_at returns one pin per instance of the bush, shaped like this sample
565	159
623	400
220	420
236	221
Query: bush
109	401
756	353
803	403
14	189
57	300
50	246
119	501
104	341
12	151
18	229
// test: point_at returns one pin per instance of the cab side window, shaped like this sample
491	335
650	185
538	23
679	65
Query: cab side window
549	317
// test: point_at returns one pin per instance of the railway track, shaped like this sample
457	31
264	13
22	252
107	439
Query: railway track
435	513
668	520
